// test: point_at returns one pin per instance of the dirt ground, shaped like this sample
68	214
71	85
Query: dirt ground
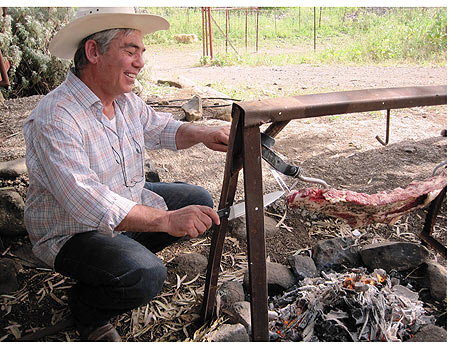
339	149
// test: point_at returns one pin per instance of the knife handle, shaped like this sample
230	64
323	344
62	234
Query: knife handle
225	212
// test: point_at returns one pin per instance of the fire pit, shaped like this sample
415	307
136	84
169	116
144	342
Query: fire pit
347	306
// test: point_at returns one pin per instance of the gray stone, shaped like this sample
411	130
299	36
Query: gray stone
400	256
279	278
190	264
436	280
336	252
8	276
229	333
240	313
193	109
237	228
405	292
11	214
12	168
231	292
303	266
430	333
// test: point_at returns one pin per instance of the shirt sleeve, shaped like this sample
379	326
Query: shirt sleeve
159	129
74	185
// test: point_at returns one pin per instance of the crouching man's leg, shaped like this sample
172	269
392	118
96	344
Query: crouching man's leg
114	275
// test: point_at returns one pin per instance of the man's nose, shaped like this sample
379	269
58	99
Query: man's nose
139	61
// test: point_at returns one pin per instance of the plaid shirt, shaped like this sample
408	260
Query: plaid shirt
77	164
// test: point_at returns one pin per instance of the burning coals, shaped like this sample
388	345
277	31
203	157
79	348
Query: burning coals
352	306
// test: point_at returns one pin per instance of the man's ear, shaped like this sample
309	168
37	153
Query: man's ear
91	50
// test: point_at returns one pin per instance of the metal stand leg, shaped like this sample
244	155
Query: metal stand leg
256	248
430	220
232	168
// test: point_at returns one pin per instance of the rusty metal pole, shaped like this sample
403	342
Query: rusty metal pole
246	29
257	27
314	29
233	165
210	33
256	247
226	30
203	32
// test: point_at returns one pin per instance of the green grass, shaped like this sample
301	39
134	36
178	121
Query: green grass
386	36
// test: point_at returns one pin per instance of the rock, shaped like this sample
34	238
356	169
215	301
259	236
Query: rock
229	333
170	83
185	83
400	256
193	109
222	113
27	258
237	228
12	169
8	276
302	266
430	333
11	214
405	292
190	265
185	38
436	280
240	312
279	278
336	252
231	292
151	172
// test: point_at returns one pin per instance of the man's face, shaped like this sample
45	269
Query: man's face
119	66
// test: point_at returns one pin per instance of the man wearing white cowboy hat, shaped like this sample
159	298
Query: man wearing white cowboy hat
89	212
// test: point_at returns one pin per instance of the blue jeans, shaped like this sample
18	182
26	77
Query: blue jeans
115	275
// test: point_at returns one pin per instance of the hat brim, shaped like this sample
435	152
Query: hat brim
65	43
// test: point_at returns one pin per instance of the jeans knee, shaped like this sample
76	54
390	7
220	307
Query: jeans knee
151	282
204	197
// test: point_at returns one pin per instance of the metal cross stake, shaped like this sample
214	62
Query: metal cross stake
245	152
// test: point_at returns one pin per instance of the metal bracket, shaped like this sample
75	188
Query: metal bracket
275	160
388	120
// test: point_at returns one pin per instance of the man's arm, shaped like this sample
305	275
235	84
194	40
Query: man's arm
215	138
189	221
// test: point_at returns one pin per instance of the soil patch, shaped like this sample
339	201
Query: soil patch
339	149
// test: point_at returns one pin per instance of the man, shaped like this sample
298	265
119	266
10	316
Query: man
88	211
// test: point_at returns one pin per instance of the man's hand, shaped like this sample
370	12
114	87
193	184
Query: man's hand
191	221
215	138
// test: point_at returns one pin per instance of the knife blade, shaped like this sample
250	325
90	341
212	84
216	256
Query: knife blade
238	209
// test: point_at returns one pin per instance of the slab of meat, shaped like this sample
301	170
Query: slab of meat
360	209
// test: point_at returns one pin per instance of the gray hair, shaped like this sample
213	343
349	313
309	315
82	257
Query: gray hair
103	40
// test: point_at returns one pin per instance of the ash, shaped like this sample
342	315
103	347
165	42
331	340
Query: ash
353	306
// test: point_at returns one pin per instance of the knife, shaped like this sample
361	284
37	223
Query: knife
238	209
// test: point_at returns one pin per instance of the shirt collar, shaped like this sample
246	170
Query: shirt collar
85	95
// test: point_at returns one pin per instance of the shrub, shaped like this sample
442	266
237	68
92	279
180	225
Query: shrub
25	34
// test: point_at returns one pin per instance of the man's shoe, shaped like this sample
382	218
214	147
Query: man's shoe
105	333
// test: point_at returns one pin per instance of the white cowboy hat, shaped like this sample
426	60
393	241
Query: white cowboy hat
90	20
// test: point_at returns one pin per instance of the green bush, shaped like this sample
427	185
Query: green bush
24	37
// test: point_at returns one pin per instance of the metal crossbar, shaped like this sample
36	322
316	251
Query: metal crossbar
244	153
